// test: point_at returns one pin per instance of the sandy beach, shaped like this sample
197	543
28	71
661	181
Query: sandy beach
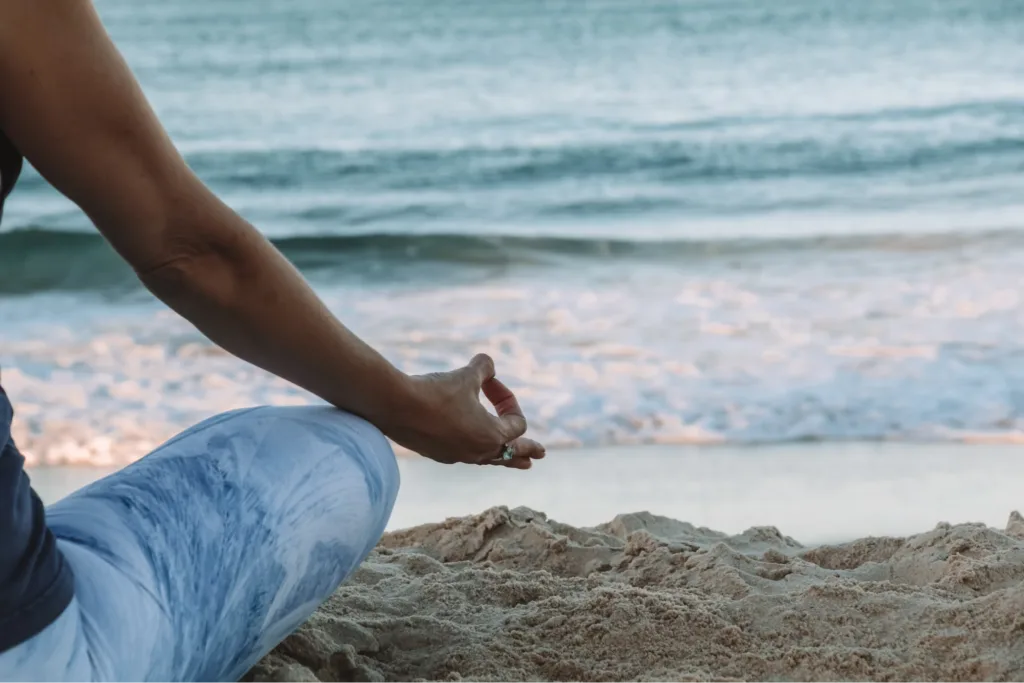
514	595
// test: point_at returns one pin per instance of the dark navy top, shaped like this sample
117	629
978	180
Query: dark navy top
36	583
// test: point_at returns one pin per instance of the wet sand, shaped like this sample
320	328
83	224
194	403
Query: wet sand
816	492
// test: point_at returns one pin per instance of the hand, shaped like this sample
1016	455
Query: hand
445	421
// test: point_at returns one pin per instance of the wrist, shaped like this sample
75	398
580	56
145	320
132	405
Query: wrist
402	412
389	398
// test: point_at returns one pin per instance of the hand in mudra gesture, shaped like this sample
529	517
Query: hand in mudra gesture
446	421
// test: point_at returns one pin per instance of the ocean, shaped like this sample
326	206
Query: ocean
687	222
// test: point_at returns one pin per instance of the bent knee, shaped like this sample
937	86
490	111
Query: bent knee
284	449
324	432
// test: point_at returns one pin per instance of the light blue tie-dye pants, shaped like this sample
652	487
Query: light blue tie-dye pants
195	561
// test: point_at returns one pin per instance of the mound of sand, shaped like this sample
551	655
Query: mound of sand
512	595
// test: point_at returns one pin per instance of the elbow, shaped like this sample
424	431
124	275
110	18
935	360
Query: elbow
206	255
199	273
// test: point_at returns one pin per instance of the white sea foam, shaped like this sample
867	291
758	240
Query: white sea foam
838	347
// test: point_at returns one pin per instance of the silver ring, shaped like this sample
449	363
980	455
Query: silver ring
509	452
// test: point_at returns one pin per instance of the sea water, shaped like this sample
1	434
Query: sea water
692	221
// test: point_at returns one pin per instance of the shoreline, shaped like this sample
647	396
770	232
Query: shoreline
817	492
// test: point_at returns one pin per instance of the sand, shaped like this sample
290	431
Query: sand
512	595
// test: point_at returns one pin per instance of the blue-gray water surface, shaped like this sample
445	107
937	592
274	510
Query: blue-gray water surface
729	220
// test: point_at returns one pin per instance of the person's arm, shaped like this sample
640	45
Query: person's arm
70	104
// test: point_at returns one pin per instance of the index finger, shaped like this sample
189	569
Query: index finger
507	407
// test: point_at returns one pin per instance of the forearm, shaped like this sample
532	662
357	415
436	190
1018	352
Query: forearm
238	290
